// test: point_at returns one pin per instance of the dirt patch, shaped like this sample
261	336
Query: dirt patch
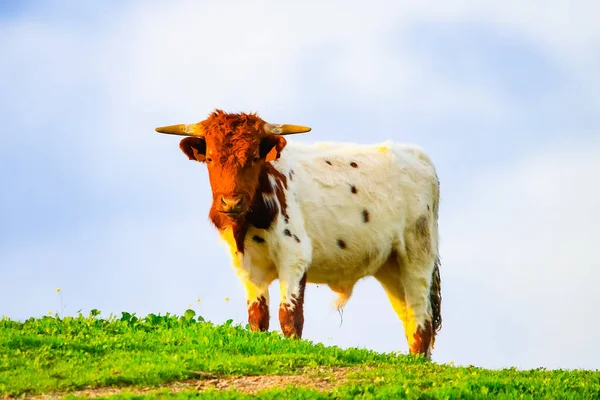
253	384
322	379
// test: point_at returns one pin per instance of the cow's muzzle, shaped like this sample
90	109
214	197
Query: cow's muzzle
232	206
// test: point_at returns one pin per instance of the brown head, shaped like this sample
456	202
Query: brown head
235	148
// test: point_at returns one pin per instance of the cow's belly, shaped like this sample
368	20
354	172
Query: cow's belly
343	254
340	271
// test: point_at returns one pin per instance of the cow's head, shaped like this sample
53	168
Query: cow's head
235	148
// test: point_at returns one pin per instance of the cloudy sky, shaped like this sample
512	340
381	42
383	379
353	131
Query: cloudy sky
504	97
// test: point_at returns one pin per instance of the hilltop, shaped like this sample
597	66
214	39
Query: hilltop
185	356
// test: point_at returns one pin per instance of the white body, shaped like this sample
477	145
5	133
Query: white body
387	225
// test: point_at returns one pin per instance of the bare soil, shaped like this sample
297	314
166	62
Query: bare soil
322	379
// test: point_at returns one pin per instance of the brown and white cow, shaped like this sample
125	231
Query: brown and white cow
329	213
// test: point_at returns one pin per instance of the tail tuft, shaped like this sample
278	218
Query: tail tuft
435	298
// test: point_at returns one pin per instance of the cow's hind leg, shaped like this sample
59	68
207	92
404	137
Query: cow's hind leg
390	279
417	257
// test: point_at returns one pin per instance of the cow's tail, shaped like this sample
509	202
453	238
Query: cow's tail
435	299
435	291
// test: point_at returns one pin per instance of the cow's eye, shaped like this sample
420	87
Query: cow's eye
208	159
255	159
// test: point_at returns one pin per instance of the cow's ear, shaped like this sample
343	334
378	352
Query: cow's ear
271	147
194	148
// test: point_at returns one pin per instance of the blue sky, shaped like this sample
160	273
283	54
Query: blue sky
504	98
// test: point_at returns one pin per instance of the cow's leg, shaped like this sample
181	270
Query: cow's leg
291	307
417	259
257	299
418	326
390	279
256	285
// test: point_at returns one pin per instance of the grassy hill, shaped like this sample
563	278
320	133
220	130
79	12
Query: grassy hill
184	357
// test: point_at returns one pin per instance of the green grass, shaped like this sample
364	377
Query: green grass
50	354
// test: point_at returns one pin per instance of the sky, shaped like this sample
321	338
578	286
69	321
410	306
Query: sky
503	96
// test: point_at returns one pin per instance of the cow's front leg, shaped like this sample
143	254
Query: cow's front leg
291	308
257	299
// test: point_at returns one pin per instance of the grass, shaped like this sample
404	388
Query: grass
51	354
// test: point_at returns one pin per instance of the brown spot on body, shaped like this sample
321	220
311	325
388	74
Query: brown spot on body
422	225
297	239
258	315
280	186
365	215
258	239
353	164
353	189
291	317
264	184
280	178
341	244
422	339
423	233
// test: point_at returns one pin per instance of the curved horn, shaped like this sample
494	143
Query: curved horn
182	129
285	129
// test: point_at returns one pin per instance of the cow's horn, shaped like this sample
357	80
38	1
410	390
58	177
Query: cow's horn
182	129
285	129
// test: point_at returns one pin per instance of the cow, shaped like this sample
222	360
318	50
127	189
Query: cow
326	213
